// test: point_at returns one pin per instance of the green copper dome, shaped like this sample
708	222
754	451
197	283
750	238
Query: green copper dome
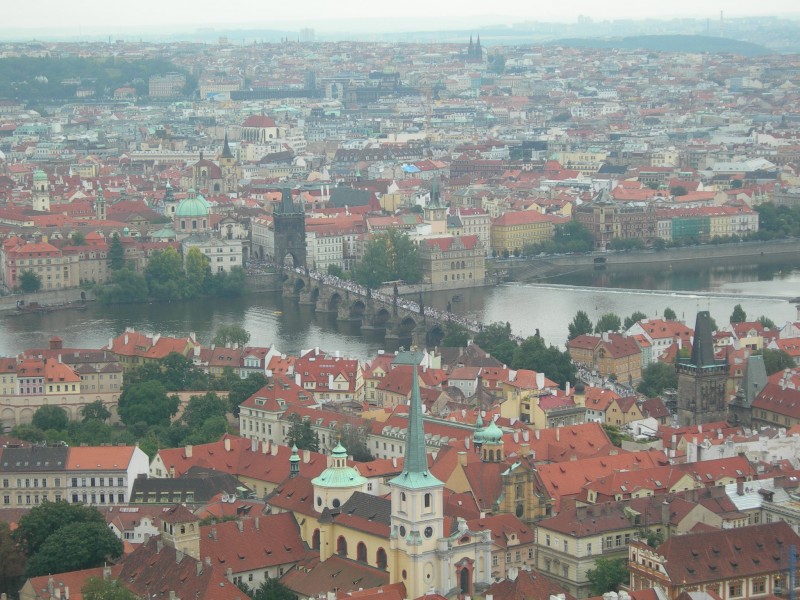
39	175
193	206
295	457
339	475
492	434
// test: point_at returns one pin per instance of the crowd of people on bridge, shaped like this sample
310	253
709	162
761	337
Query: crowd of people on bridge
393	299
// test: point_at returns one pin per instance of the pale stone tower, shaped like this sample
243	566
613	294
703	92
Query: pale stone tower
41	191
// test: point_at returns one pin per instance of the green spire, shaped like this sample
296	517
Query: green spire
415	468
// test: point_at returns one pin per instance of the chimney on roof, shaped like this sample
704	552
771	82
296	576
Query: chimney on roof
199	567
306	456
606	336
50	586
665	513
106	572
740	488
526	435
558	434
187	451
172	595
227	443
537	434
229	574
394	462
110	343
516	436
208	561
178	556
273	450
66	592
253	445
239	525
172	471
257	523
213	534
126	339
462	459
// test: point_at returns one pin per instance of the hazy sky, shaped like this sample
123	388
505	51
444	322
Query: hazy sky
90	15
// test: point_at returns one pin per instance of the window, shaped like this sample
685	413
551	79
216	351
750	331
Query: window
427	500
508	557
530	553
734	589
588	548
547	540
759	585
494	560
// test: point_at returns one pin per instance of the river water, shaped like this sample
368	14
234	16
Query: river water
548	305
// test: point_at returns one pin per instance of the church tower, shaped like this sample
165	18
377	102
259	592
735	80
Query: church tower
100	205
180	529
492	447
231	173
701	379
41	191
417	521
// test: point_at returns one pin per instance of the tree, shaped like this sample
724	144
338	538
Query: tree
178	373
608	322
301	434
388	256
202	408
738	315
12	562
198	272
50	417
607	575
43	520
125	286
96	588
495	339
581	325
455	335
270	589
678	190
669	314
633	319
164	274
95	411
148	403
656	378
354	439
77	239
243	389
235	335
777	360
336	271
533	354
73	547
766	322
29	282
116	253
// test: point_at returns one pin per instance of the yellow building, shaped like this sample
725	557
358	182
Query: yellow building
514	230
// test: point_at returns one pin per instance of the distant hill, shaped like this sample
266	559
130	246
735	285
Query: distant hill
668	43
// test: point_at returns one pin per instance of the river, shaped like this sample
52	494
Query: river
548	305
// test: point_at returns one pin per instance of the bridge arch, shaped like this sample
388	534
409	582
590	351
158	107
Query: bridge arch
381	318
299	284
357	309
334	301
314	296
406	327
434	336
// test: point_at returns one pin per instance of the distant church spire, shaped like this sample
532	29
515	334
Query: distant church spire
226	149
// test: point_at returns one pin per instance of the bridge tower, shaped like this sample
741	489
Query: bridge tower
290	230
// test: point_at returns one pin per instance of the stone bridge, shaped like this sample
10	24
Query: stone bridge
401	325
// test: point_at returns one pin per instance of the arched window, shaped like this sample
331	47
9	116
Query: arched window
361	552
341	546
427	500
380	558
194	223
315	540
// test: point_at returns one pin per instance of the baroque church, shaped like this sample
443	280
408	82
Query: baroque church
220	177
406	535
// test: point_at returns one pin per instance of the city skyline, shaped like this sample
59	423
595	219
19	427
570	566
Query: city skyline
357	16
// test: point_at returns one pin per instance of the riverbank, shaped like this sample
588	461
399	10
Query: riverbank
742	253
